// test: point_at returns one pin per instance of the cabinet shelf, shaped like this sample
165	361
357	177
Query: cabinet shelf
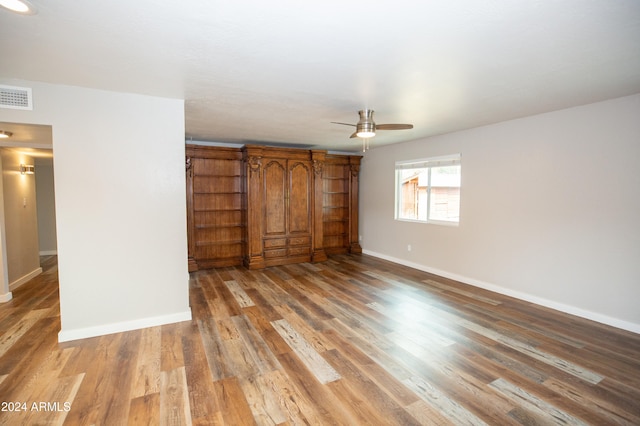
219	176
218	193
235	225
217	210
218	243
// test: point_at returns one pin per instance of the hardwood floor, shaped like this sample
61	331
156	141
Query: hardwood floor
354	340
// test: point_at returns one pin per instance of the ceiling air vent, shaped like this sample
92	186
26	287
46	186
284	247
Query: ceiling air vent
15	97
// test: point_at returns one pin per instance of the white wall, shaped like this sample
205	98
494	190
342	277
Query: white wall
5	294
550	210
120	206
21	221
45	198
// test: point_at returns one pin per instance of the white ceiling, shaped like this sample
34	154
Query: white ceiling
32	135
280	71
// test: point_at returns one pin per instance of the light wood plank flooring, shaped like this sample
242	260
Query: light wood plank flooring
354	340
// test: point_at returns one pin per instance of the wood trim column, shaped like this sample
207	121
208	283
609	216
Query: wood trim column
317	250
254	258
354	233
191	245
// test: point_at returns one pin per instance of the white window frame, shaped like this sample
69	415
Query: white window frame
445	160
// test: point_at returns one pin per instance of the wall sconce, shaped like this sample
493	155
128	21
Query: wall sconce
5	134
27	169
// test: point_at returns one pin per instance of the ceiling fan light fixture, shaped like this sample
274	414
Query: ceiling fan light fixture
366	127
18	6
365	133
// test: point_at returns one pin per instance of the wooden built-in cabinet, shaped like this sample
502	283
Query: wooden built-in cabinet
216	207
340	204
263	206
280	206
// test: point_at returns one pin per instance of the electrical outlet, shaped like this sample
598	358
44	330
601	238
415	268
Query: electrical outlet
408	247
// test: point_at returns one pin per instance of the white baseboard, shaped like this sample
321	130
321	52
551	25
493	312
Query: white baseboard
6	297
100	330
569	309
48	253
17	283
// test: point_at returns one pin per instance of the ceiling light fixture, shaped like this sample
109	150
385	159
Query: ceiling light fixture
18	6
4	134
366	128
365	131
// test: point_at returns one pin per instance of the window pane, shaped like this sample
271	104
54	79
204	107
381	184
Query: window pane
445	194
412	194
428	190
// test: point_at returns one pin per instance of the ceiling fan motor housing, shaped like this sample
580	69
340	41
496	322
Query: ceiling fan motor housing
366	127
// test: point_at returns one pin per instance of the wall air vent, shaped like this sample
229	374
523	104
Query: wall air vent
16	97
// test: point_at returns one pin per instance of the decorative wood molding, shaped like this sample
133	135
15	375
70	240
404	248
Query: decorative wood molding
318	166
192	264
355	170
254	162
318	158
354	233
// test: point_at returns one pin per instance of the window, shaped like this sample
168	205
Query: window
428	190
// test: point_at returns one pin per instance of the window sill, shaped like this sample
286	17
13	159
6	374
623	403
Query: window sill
431	222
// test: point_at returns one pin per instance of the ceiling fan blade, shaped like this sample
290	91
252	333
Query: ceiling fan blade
355	134
344	124
394	126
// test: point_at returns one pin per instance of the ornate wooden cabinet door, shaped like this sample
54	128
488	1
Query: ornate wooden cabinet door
287	215
299	198
281	198
274	197
298	207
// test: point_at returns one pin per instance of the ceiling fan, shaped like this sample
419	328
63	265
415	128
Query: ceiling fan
366	127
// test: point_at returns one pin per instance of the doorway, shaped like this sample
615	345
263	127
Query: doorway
27	207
